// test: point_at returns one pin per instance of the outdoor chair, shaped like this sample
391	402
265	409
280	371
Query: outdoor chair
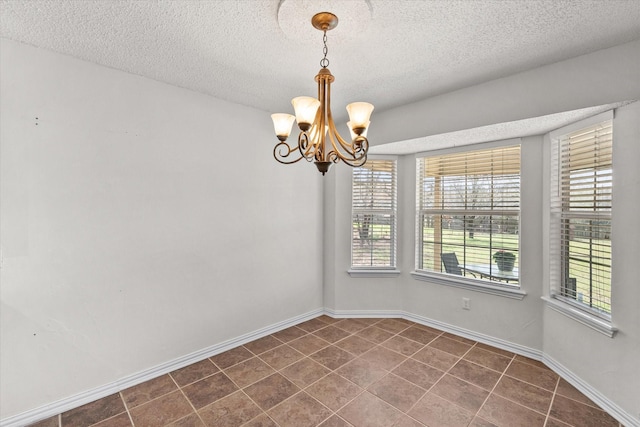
450	261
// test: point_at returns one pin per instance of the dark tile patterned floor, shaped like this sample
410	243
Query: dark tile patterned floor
350	372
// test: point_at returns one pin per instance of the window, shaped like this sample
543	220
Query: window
582	170
468	215
373	222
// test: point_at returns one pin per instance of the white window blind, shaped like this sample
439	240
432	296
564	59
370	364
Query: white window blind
373	230
582	186
468	205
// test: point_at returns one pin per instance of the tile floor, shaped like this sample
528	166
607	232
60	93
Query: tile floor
350	372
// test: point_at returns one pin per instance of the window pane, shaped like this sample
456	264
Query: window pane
372	240
581	209
468	210
373	228
474	239
587	254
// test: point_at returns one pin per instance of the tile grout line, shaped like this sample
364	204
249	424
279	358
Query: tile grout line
271	335
520	404
251	383
187	399
406	413
441	334
434	384
262	411
297	393
525	382
126	408
530	384
199	379
230	366
494	386
522	380
553	397
441	377
577	401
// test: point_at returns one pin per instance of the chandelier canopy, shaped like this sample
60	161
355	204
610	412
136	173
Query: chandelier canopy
319	140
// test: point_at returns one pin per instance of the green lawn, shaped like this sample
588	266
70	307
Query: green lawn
590	262
480	249
476	250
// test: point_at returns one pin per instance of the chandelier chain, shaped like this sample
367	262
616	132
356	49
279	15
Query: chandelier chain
324	62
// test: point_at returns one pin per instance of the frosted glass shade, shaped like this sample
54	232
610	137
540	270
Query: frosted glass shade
353	134
282	124
306	108
359	114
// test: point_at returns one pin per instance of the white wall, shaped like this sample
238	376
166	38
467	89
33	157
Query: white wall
610	366
140	222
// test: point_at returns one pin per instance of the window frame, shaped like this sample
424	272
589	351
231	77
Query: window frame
556	299
391	269
509	290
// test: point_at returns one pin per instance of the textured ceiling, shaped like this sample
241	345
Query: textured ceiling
262	53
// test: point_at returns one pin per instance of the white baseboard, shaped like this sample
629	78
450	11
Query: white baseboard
612	409
339	314
91	395
485	339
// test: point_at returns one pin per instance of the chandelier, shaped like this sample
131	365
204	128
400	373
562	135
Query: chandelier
319	140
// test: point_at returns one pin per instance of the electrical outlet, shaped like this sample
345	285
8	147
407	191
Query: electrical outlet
466	304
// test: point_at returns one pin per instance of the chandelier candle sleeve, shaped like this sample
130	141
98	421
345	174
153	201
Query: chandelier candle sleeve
359	113
319	140
305	108
282	123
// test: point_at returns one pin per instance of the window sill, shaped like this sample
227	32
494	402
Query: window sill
595	323
507	291
356	272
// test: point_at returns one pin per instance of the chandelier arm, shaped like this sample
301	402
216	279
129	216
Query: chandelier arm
356	158
356	164
354	151
332	156
346	146
360	146
305	147
282	150
351	149
353	162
